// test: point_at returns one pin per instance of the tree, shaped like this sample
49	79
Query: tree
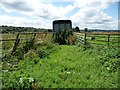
86	29
77	29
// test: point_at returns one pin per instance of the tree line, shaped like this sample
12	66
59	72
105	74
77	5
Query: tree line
13	29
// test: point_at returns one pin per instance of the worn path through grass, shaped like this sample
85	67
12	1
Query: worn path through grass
65	67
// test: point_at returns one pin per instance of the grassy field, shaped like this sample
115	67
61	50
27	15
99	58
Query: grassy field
50	65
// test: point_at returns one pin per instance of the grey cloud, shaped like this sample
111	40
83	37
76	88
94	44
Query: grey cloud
44	14
90	14
20	6
98	22
92	23
103	21
47	15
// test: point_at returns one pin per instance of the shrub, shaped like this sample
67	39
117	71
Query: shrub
42	52
29	44
31	53
64	37
112	65
19	53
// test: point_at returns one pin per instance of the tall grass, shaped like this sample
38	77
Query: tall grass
49	65
54	66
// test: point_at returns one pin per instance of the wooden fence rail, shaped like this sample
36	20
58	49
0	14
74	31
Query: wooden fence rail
18	39
83	37
13	39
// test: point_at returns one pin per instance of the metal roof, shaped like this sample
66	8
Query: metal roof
61	21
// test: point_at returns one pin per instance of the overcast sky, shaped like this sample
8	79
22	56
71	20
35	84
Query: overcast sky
100	14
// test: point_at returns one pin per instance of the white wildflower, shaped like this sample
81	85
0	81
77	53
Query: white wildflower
21	80
108	68
31	79
68	72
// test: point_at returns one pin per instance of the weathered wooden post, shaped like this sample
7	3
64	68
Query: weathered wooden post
85	36
33	40
16	44
108	39
34	36
45	34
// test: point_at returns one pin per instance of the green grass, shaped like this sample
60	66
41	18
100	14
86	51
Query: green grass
66	67
61	66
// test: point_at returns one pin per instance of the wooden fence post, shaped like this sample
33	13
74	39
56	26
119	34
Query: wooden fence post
108	39
85	37
34	37
45	34
33	41
16	44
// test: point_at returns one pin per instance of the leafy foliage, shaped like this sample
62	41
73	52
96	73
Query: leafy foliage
49	65
64	37
65	67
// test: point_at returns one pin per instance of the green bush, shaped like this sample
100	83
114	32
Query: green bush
41	53
31	54
44	50
64	37
29	44
19	53
109	57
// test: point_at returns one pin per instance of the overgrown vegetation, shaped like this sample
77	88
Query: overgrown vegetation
64	37
63	66
50	65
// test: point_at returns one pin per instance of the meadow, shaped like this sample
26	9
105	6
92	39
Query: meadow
50	65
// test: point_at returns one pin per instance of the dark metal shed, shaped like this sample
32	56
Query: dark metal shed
59	25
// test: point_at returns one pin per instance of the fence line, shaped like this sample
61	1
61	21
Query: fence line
82	37
103	33
17	39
